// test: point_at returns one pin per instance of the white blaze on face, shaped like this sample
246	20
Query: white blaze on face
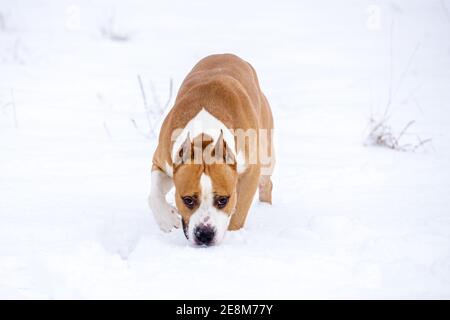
207	213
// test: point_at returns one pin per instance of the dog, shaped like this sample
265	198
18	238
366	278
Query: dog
216	148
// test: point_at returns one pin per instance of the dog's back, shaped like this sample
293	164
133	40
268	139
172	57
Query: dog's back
228	69
227	87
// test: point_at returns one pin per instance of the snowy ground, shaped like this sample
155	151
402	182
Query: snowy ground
348	220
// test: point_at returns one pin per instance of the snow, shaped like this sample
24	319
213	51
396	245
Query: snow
347	220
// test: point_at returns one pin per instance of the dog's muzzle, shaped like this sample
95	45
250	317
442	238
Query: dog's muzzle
204	235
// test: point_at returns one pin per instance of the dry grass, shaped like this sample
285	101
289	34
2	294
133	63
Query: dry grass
381	134
380	130
153	110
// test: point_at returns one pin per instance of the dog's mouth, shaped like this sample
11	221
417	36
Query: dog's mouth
185	228
204	233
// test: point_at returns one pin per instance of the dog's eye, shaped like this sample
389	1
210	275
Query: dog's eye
221	202
189	201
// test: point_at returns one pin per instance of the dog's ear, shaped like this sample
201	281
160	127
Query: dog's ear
184	153
222	153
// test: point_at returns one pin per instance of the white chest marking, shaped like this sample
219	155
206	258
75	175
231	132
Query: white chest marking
204	122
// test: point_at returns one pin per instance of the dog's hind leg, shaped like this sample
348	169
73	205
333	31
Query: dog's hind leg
265	189
268	159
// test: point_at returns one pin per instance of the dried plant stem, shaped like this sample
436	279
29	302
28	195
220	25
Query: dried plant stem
144	99
155	111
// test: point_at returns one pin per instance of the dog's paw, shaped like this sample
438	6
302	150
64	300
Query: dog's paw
168	218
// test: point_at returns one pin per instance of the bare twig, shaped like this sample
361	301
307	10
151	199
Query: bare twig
144	99
391	69
157	102
170	94
154	95
146	135
392	93
405	71
421	143
382	135
108	133
154	112
409	124
418	105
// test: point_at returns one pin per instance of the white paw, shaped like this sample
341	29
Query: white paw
167	218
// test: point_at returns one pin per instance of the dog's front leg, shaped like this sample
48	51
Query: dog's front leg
246	189
165	215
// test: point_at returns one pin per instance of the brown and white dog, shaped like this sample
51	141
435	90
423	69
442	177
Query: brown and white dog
215	147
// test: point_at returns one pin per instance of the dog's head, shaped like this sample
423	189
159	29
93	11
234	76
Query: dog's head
205	178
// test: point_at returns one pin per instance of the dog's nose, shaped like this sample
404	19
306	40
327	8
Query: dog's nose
204	235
